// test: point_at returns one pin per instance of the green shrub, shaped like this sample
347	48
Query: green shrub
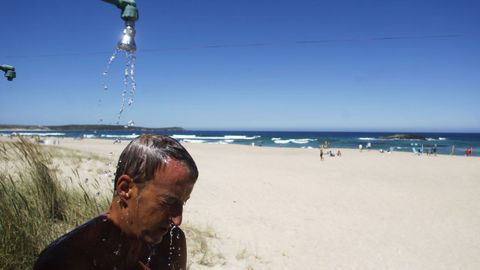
35	207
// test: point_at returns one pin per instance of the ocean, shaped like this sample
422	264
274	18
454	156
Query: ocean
293	139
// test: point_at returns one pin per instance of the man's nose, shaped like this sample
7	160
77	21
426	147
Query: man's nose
176	220
176	215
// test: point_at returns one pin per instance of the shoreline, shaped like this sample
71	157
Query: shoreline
124	141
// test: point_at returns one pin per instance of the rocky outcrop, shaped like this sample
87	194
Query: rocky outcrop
403	137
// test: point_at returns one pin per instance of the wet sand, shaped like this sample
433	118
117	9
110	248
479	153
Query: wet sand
279	208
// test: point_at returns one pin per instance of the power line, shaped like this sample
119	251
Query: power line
256	44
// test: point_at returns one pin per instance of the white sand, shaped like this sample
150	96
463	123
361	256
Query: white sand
279	208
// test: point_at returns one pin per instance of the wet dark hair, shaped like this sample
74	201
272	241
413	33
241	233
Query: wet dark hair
147	153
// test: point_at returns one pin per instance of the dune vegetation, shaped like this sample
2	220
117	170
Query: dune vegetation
37	206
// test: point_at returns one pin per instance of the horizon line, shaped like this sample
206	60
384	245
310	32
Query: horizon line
279	129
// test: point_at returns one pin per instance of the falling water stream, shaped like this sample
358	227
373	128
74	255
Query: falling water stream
128	89
172	246
129	84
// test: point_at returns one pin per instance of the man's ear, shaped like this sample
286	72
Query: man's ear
124	187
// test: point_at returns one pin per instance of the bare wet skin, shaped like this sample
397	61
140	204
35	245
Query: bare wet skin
99	244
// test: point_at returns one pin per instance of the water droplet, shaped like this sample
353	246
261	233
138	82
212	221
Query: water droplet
152	253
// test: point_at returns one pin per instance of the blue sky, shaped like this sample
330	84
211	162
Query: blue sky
253	64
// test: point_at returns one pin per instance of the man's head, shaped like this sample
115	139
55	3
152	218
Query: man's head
155	176
146	153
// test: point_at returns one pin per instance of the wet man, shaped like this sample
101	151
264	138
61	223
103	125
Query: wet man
155	176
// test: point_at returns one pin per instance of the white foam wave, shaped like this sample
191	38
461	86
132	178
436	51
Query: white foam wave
297	141
367	139
225	137
207	141
193	141
89	136
218	142
41	134
176	136
240	137
281	141
442	138
131	136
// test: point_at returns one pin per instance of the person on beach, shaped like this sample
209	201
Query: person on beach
321	152
469	152
154	178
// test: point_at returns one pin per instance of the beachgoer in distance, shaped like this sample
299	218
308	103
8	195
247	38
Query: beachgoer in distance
339	154
360	147
321	152
155	176
453	150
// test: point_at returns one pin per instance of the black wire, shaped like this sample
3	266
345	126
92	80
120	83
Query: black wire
240	45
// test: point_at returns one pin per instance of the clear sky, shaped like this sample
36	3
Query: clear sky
352	65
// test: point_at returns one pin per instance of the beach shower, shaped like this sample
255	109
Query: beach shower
127	45
10	73
129	15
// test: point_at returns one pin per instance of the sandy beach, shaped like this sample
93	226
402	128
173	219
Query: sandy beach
283	208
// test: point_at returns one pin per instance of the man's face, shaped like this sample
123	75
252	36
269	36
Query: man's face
159	203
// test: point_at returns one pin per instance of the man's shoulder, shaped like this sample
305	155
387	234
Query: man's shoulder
71	248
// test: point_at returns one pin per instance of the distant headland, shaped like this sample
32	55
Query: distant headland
404	137
85	127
